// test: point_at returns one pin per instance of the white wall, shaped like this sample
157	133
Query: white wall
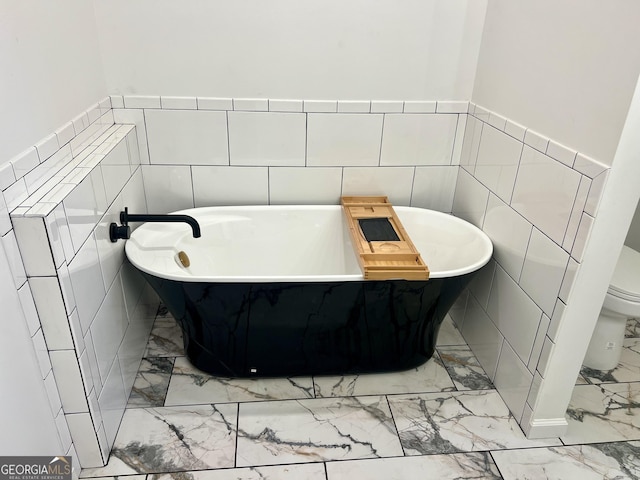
50	66
565	69
361	49
633	236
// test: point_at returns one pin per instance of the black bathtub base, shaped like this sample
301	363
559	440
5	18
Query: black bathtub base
318	328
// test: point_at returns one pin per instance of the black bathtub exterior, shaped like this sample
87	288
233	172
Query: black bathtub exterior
284	329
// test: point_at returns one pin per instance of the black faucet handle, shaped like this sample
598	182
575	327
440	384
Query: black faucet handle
117	232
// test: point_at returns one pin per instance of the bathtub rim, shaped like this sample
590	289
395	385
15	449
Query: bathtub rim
472	267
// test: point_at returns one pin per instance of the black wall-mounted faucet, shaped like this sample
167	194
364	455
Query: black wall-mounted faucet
123	231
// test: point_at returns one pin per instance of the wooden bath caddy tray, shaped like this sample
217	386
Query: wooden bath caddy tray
384	248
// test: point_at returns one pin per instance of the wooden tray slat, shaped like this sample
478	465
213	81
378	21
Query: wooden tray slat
382	260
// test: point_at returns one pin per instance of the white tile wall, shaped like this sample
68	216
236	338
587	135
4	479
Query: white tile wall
187	137
167	188
230	185
34	246
470	200
51	311
343	139
433	187
67	372
482	336
418	139
394	182
497	162
267	139
292	185
512	380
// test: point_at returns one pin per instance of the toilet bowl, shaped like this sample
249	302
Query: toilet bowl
621	303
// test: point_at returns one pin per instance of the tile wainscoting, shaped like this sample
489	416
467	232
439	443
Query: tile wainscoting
161	154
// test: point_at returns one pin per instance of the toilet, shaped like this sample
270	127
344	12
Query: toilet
621	303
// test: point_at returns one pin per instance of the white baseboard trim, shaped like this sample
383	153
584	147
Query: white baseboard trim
546	428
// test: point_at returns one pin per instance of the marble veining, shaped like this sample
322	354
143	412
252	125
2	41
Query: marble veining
457	422
463	368
165	339
315	430
151	383
191	386
627	370
309	471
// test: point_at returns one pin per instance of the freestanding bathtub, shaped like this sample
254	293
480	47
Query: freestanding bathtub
277	290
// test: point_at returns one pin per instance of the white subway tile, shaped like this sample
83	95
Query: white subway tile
111	254
25	162
65	436
536	140
561	153
343	139
94	405
52	392
307	185
482	336
15	194
590	167
354	106
281	105
497	162
537	345
179	103
80	123
567	282
558	312
187	137
87	137
29	308
321	106
116	170
12	252
544	193
514	313
584	230
133	284
483	114
44	172
547	348
76	333
109	326
543	271
85	440
93	113
470	199
230	186
516	130
33	241
576	213
394	182
5	220
512	380
417	139
480	285
141	101
267	139
65	133
168	188
42	354
471	143
112	402
419	107
452	107
70	386
105	104
433	188
84	207
461	126
509	233
379	106
497	121
135	117
206	103
64	232
86	279
53	316
88	358
595	193
55	235
251	104
472	108
133	150
7	176
47	147
117	101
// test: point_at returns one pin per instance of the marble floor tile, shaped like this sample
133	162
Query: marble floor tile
463	368
315	430
581	380
165	339
449	333
633	328
458	466
428	377
152	381
627	370
191	386
457	422
585	462
308	471
172	439
607	412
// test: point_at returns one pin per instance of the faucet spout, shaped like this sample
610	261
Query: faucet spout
116	232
